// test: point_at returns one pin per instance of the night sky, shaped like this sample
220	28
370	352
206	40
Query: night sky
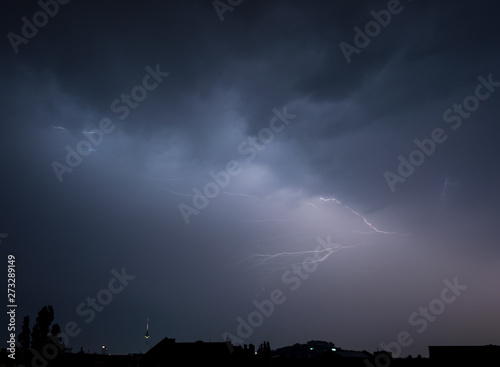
321	170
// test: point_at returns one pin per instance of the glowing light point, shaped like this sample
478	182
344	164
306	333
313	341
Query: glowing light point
147	334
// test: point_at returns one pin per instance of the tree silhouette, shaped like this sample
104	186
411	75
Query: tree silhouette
24	336
40	333
55	331
264	349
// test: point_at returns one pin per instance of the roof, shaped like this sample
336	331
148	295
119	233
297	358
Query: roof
168	348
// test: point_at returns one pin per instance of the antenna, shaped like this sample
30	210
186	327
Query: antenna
147	334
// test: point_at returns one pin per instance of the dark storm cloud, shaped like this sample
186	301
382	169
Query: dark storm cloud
119	206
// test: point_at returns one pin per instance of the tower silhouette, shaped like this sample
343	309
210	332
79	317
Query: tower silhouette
147	334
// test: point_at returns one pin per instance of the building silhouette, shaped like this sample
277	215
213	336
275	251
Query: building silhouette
168	352
480	355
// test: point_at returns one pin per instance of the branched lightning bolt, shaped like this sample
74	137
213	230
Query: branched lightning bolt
58	127
327	248
361	216
89	132
90	150
323	251
264	258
